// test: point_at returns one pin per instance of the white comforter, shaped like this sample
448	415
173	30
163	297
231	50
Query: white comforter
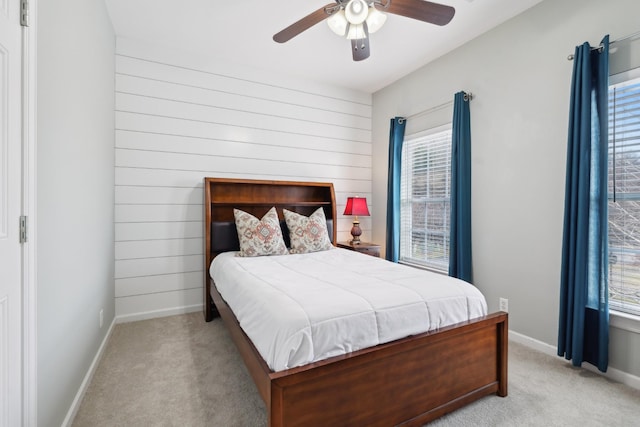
298	309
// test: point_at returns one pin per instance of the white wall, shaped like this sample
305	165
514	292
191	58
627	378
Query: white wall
75	133
181	117
520	76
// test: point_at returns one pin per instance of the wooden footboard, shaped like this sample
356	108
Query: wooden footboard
406	382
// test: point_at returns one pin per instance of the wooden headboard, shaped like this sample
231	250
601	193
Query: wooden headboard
222	195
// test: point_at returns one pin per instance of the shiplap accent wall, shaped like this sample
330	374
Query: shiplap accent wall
181	117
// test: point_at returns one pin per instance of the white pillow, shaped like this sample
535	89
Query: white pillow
307	234
259	236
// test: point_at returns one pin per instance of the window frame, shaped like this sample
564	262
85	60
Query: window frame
624	314
442	268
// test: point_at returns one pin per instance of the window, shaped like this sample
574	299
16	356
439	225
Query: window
424	200
624	196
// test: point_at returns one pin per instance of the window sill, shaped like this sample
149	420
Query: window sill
424	267
624	321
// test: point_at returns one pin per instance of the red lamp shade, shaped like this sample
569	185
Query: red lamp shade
356	206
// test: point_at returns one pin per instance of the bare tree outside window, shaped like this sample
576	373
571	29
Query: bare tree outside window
624	196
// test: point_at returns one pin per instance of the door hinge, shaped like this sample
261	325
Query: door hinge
24	13
23	229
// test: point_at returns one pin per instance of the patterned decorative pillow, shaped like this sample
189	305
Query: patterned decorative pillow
308	234
259	237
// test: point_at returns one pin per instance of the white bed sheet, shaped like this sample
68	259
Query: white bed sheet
298	309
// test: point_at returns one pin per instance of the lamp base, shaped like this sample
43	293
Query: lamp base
355	233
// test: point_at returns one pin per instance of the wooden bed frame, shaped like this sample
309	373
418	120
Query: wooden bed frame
409	381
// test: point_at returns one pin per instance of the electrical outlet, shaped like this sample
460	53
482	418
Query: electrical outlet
504	304
101	318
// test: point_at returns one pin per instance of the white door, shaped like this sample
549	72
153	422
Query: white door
10	208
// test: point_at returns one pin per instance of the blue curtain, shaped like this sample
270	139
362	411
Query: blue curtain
584	301
460	224
396	137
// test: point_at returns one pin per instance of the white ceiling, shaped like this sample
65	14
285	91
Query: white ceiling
241	31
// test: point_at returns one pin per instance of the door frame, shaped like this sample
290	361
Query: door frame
29	179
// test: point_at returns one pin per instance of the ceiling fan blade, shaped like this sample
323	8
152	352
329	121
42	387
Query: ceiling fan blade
434	13
303	24
360	47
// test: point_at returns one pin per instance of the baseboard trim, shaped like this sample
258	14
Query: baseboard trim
158	313
612	373
532	343
73	410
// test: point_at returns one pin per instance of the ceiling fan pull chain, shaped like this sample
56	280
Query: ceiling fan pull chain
365	29
355	45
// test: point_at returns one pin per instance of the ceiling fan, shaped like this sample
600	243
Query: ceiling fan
356	19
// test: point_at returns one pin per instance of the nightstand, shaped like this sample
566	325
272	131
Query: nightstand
363	247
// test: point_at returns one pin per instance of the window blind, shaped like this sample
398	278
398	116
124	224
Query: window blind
624	196
425	200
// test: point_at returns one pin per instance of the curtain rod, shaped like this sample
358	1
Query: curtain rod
599	48
468	96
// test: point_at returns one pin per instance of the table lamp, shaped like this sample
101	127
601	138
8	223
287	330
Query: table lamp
356	206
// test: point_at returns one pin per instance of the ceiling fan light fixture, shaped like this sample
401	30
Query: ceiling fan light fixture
356	32
375	20
338	23
356	11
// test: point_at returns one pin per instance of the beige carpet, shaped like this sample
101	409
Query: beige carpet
182	371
